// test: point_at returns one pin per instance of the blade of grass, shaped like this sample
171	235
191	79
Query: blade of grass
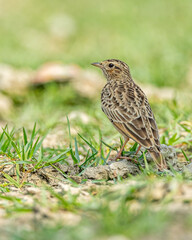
18	173
24	136
90	145
32	149
146	163
115	149
75	160
69	129
88	159
40	158
11	180
184	154
33	134
76	151
13	143
58	157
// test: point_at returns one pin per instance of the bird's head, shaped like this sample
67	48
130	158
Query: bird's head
114	69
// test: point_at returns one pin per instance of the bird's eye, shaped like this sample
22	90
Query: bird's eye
111	65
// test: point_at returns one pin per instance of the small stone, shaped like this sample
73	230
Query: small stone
122	168
113	170
77	179
100	172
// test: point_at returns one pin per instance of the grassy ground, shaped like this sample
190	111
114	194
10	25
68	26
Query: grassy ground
142	207
154	38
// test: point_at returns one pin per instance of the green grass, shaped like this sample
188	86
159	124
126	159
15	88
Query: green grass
89	145
108	212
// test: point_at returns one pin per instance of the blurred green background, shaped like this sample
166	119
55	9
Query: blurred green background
152	36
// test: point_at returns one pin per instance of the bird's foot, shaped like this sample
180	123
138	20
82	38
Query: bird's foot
118	156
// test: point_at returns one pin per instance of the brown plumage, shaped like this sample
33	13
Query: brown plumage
127	107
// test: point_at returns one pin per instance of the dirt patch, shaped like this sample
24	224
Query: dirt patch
113	170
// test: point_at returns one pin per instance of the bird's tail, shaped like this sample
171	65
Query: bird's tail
158	159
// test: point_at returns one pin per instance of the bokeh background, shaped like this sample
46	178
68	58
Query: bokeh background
153	37
57	40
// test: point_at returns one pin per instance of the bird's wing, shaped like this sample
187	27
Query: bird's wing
128	109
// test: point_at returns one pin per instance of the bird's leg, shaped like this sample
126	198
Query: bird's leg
120	151
138	149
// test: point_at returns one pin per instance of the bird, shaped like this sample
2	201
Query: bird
128	109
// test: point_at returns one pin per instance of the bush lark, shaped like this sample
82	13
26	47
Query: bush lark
127	107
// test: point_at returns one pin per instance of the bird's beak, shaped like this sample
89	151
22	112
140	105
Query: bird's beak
97	64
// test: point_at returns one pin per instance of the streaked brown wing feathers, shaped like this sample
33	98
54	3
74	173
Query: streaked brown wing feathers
131	114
